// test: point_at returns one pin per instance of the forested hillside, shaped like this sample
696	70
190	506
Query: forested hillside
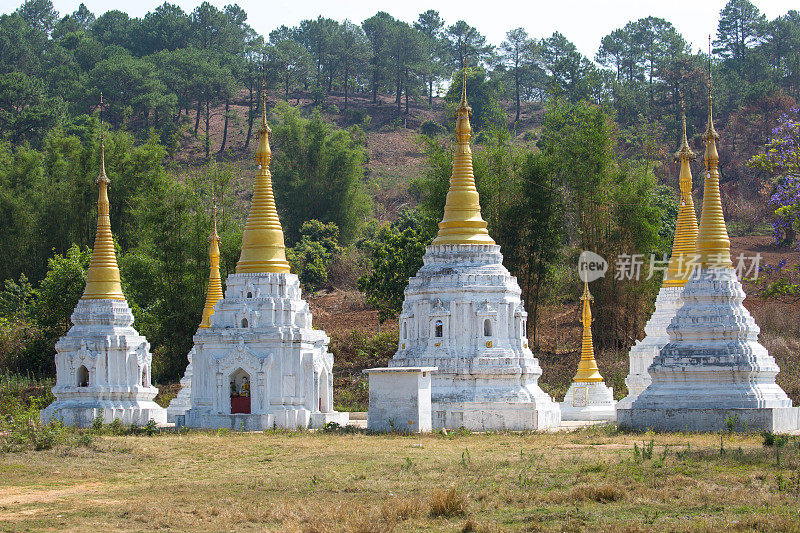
571	153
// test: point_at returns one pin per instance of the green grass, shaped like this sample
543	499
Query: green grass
306	481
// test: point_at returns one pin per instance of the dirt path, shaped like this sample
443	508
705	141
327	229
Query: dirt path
27	495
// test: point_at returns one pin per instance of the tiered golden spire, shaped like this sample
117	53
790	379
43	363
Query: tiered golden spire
713	244
102	278
685	240
263	249
587	368
214	291
462	222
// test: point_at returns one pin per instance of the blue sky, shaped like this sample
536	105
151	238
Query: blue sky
584	22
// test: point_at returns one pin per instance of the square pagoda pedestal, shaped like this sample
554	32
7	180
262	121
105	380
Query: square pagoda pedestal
400	399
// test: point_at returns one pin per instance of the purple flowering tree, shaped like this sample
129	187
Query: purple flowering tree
781	159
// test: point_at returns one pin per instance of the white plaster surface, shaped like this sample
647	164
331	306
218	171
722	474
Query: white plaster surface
463	314
183	401
103	367
656	337
262	330
400	399
589	401
713	368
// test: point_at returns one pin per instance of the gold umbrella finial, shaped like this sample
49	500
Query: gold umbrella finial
102	277
263	248
587	367
214	289
713	243
684	242
462	222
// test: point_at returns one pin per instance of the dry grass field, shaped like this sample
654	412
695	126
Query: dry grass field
592	479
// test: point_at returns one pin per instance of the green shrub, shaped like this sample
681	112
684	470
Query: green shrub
313	255
430	128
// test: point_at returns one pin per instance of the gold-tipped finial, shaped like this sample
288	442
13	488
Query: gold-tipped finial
685	240
462	222
263	248
713	245
214	290
102	278
587	368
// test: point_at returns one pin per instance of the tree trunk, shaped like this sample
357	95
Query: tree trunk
430	90
225	128
251	116
208	128
406	91
197	118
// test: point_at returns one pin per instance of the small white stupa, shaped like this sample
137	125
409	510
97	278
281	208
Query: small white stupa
588	398
183	401
669	298
713	374
103	365
463	315
260	364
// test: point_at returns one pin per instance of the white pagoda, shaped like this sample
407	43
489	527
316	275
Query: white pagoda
259	364
713	374
463	315
588	397
103	365
669	298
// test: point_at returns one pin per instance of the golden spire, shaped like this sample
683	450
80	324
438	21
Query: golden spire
713	244
685	240
214	290
462	222
263	249
587	368
102	278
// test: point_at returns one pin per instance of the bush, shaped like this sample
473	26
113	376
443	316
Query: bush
447	503
318	95
356	116
313	255
23	430
334	109
430	128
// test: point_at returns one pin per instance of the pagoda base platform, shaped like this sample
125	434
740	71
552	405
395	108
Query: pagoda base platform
589	402
82	412
496	416
775	419
284	418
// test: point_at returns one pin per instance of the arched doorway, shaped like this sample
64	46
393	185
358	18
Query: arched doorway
83	376
240	392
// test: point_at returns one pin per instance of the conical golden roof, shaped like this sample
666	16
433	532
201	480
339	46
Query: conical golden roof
587	368
462	222
713	244
102	278
685	240
263	249
214	290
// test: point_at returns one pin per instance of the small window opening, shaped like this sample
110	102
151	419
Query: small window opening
249	294
83	376
487	328
438	328
244	322
405	330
